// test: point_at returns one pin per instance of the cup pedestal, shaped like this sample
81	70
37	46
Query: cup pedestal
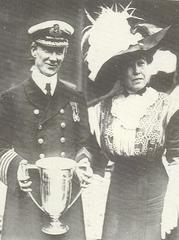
55	227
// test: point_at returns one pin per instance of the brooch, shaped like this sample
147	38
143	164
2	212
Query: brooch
76	111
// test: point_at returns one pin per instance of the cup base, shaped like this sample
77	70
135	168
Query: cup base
55	228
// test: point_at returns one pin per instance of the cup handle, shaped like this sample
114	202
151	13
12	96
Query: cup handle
77	196
36	203
82	185
25	167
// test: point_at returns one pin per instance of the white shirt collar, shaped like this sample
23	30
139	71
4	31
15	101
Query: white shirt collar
41	80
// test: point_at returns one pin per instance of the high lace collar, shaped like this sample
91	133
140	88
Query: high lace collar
128	110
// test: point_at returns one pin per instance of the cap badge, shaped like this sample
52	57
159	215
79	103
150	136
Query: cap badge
55	31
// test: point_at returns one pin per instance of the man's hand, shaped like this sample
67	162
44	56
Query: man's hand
84	172
23	177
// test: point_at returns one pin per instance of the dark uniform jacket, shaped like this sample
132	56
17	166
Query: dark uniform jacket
33	126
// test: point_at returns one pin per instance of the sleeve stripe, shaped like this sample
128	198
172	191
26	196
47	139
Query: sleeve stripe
7	153
5	160
83	152
6	165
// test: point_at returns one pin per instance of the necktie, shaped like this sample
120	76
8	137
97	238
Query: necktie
48	89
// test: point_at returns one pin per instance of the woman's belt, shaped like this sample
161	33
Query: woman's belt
136	164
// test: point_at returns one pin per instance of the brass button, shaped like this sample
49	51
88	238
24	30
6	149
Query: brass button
36	111
40	127
40	140
62	139
62	154
62	111
63	124
42	155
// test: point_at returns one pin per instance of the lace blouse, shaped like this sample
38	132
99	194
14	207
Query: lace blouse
132	125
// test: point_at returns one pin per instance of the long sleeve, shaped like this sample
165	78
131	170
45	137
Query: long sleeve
7	152
170	212
81	129
172	138
100	161
87	143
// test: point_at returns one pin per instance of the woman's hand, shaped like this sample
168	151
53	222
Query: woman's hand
84	172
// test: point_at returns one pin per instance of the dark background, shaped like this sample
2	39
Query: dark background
16	16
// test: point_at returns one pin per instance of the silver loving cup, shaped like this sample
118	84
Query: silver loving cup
56	175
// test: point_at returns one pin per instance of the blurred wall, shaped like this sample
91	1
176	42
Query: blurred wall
16	16
159	12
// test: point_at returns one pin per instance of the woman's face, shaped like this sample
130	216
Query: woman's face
136	75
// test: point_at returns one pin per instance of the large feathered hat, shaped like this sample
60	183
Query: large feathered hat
111	36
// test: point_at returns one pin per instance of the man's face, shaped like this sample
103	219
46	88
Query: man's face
137	75
48	59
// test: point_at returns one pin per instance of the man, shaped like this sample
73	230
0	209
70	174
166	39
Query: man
41	117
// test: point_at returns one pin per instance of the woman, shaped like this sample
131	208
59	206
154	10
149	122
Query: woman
132	135
129	124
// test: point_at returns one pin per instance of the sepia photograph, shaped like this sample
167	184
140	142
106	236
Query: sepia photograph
89	120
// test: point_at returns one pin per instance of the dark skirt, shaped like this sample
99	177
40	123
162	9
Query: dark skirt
135	200
23	220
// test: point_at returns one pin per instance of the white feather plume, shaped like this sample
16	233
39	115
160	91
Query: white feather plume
109	34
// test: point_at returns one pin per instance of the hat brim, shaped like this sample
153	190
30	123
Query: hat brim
106	76
171	39
53	44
